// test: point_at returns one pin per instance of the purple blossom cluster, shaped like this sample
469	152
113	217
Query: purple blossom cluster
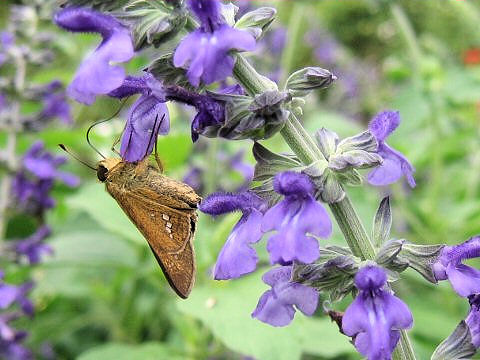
297	220
31	189
29	179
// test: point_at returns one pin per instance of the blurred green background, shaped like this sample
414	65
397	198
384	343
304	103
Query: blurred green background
102	295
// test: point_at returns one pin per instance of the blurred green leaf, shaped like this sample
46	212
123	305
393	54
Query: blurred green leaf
147	351
225	307
96	202
174	149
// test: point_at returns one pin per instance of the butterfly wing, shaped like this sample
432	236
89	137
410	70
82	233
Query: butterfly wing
169	233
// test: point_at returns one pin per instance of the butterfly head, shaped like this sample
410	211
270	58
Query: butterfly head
105	166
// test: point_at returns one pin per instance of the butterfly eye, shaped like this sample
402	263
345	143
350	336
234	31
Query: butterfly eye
102	172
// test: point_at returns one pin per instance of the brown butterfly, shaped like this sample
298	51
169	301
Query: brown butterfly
163	209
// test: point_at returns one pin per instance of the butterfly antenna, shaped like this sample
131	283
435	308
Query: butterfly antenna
63	147
100	122
153	132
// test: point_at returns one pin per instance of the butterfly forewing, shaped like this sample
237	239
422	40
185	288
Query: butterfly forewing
164	217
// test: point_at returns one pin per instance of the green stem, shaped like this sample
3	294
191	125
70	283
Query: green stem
353	229
408	34
304	147
297	17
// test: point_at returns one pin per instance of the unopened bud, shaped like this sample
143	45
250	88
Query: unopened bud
301	82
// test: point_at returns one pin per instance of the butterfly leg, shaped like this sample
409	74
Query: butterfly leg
157	159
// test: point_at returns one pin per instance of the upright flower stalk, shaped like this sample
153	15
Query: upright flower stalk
348	220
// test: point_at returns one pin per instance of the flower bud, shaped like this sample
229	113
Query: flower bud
151	23
458	345
301	82
257	21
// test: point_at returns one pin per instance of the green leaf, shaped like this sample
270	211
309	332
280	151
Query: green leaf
96	202
382	222
225	307
174	150
116	351
91	247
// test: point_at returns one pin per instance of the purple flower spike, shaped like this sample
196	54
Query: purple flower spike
206	51
464	279
375	317
33	247
295	216
276	306
44	165
12	293
473	320
395	164
96	75
237	258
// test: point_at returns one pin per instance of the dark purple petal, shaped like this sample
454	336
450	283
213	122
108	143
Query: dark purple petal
222	203
294	217
375	316
8	294
394	165
208	12
473	320
207	54
370	278
147	119
131	86
194	178
96	75
56	105
237	258
384	123
276	306
464	279
293	183
44	165
232	90
33	247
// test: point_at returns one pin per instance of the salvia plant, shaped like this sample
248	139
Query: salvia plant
26	179
287	203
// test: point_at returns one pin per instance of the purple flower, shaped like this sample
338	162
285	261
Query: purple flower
473	320
295	216
44	165
394	163
7	39
12	293
276	306
56	105
237	258
32	184
10	347
147	118
33	247
206	51
375	317
96	75
464	279
34	195
193	178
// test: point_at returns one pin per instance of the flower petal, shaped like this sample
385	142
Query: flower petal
237	258
384	123
146	120
465	280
